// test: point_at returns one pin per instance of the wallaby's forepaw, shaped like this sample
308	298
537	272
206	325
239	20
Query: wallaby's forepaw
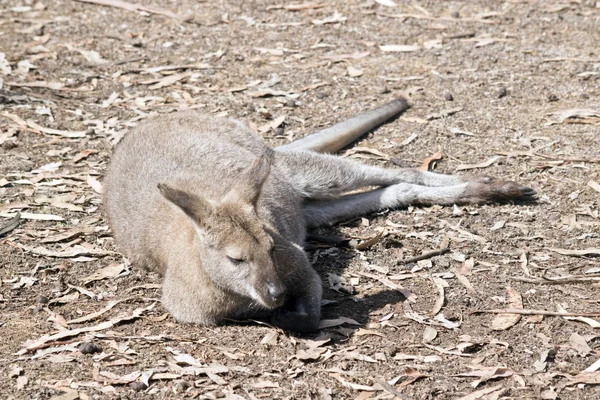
490	190
297	321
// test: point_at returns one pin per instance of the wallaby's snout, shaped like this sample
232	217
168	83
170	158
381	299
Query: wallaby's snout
275	293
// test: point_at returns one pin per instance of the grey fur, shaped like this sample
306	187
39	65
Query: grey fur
223	217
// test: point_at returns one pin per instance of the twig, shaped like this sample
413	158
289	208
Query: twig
134	7
425	256
570	159
559	280
121	62
536	312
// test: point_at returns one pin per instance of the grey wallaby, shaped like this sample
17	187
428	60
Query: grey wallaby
223	216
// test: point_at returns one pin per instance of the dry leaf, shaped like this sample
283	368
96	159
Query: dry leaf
94	184
330	323
579	344
10	225
33	345
37	217
75	251
367	332
272	125
443	113
399	48
504	321
589	252
111	271
576	116
594	185
264	385
387	3
354	72
134	7
334	19
429	334
56	132
590	378
481	393
429	162
484	164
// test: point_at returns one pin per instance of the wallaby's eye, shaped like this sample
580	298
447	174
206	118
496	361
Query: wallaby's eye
236	261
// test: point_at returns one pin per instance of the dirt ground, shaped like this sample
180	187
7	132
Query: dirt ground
502	88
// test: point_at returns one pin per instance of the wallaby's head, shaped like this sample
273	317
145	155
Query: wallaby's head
233	242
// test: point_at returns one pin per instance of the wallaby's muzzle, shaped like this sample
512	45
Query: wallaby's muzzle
272	294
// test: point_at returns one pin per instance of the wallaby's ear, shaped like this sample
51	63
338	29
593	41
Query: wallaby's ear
251	181
194	206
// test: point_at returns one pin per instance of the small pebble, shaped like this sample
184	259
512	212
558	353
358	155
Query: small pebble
455	14
584	96
291	103
181	386
448	96
9	144
502	92
42	300
552	97
89	348
321	95
138	386
384	89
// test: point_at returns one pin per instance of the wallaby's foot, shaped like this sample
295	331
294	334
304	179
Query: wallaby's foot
296	321
298	316
490	190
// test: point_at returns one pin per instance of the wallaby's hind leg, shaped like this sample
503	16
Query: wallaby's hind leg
328	212
320	175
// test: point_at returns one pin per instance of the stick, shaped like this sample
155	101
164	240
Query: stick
133	7
425	256
521	311
558	281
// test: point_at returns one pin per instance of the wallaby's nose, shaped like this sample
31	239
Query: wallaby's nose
277	293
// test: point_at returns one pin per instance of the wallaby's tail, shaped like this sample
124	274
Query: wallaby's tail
330	140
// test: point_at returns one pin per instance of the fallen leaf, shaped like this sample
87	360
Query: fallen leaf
367	332
334	19
429	334
272	125
428	163
354	72
443	113
97	314
68	134
504	321
10	225
484	164
135	7
330	323
590	378
111	271
399	48
265	385
579	344
589	252
387	3
94	184
166	81
576	116
35	344
481	393
72	252
594	185
32	216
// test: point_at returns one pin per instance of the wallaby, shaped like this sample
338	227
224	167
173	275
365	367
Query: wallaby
223	216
